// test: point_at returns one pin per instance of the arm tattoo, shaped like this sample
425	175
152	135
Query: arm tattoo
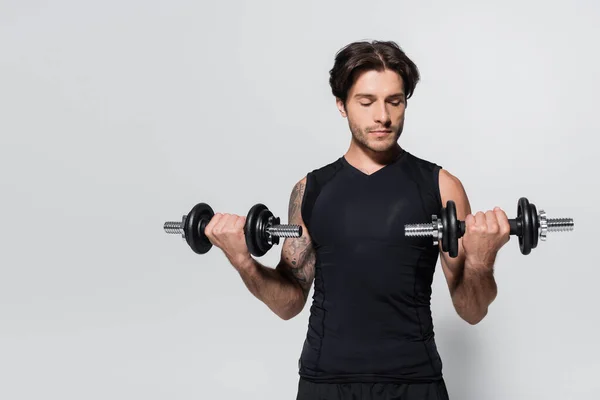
294	208
299	253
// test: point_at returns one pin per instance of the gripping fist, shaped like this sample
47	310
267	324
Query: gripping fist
226	231
485	234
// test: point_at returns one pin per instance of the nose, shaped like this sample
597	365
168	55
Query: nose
382	116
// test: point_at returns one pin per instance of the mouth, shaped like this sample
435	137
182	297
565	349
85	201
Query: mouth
380	133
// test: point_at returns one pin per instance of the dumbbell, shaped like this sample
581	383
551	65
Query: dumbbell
262	230
529	226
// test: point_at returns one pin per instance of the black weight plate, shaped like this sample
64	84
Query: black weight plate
536	225
195	222
452	229
523	213
256	238
261	237
444	218
250	226
462	228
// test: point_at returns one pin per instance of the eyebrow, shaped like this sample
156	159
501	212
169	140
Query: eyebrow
372	96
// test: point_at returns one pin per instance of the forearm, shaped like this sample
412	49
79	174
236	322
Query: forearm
278	292
475	291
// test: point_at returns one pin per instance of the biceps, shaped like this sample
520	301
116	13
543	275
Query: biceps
451	188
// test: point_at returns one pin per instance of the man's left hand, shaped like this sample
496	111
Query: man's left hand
485	234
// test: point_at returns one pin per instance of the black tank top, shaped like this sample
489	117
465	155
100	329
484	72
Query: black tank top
370	319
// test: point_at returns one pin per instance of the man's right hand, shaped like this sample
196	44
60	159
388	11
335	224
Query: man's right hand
226	231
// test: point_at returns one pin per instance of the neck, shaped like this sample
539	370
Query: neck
368	158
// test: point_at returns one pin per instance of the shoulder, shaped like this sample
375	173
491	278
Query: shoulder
299	186
321	175
331	166
423	164
450	181
317	176
451	188
445	177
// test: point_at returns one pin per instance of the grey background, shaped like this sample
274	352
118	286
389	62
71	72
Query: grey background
118	115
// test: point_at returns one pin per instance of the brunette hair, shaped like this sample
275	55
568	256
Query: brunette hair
358	57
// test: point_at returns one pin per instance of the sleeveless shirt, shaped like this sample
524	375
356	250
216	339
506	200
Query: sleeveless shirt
370	318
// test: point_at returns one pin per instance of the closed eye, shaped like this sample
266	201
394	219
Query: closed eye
394	103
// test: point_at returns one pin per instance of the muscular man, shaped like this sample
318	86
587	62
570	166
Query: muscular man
370	333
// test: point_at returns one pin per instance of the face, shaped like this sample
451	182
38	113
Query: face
375	109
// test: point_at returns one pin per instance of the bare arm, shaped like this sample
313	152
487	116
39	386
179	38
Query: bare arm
472	288
285	288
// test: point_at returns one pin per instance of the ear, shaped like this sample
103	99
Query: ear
340	106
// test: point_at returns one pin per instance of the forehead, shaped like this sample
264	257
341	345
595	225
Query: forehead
378	82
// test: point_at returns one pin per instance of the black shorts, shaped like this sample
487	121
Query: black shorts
372	391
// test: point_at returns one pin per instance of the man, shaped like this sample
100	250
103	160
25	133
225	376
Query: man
370	332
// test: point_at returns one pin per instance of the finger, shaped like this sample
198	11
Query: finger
220	225
239	224
469	221
231	224
209	228
502	221
492	222
480	220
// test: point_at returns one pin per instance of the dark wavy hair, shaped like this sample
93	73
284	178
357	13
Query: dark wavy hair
358	57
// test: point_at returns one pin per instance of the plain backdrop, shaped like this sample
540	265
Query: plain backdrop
117	116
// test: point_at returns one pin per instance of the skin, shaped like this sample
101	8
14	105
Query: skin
375	102
285	288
